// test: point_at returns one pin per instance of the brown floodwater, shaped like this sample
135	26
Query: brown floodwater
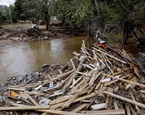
28	57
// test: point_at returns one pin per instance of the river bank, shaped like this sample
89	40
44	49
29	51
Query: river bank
23	32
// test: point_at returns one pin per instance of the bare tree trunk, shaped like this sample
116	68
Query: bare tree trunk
46	14
97	7
47	20
125	33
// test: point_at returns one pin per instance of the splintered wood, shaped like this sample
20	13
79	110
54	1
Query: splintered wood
96	81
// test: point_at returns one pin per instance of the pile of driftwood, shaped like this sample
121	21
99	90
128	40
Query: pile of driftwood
23	34
95	81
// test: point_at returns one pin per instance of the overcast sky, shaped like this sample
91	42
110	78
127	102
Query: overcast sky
6	2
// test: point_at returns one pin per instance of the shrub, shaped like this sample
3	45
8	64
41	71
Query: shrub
7	21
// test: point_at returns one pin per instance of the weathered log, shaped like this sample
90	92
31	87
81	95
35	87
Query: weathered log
73	65
137	108
115	105
24	108
73	76
38	109
53	79
134	83
31	99
60	99
128	110
132	110
110	56
106	112
79	108
111	82
94	77
85	97
124	99
58	112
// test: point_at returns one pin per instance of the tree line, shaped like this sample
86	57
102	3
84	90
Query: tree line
88	15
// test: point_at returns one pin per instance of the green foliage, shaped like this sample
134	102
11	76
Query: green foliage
5	13
97	13
7	21
33	10
82	14
74	13
2	17
19	13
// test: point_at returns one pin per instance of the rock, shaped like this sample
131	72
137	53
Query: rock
44	101
3	88
28	88
2	100
15	38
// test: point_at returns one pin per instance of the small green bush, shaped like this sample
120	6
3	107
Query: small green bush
7	21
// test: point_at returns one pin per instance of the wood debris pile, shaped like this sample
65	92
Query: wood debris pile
96	81
30	34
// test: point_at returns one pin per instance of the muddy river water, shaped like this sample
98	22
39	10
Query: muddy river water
27	57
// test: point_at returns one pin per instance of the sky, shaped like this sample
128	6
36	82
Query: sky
7	2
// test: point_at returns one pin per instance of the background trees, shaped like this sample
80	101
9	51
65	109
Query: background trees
5	14
80	14
32	10
19	13
108	16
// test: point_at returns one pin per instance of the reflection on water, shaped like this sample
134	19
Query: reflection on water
22	58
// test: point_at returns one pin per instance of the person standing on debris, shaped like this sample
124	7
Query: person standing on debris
97	35
100	42
99	39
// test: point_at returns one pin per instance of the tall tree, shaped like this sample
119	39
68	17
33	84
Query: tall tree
103	15
19	13
44	9
33	10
